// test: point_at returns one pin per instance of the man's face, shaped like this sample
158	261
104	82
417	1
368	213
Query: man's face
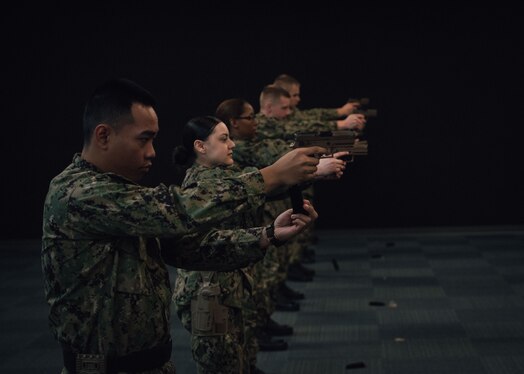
130	149
281	108
294	92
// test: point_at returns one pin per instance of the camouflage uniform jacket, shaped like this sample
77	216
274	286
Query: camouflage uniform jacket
106	284
318	114
233	283
284	128
270	128
259	152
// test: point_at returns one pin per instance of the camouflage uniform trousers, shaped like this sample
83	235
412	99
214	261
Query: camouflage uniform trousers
249	312
167	368
261	305
222	354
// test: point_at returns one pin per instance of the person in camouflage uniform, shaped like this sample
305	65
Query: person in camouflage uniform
276	118
271	273
206	146
275	122
292	86
105	280
318	119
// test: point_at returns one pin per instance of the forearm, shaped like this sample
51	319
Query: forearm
219	250
323	114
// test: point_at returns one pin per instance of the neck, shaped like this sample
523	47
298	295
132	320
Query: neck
91	157
236	135
204	163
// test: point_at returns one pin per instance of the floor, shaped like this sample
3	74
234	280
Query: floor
431	300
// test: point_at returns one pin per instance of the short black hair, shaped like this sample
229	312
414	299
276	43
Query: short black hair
111	103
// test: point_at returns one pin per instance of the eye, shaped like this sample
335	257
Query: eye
145	140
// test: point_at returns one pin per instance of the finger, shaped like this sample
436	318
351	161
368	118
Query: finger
340	154
302	220
314	150
311	161
309	169
312	212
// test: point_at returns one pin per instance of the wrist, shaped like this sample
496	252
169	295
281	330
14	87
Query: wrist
271	180
270	233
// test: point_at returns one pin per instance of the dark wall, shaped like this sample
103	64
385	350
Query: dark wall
443	151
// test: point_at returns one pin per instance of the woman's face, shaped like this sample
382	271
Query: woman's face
217	149
246	124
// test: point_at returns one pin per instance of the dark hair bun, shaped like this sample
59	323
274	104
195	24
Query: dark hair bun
181	155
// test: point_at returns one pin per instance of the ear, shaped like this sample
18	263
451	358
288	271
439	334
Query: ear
199	146
234	123
268	107
101	135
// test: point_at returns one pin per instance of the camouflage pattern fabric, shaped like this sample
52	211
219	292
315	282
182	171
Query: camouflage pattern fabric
281	130
315	114
261	153
222	354
105	280
270	128
273	269
284	128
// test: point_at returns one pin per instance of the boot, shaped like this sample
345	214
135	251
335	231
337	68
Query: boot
282	303
297	272
267	343
290	293
308	256
254	370
274	328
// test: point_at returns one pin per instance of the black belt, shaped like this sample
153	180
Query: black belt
148	359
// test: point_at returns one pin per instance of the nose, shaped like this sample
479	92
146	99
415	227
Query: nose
150	152
231	144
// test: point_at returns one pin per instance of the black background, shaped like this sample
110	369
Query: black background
445	149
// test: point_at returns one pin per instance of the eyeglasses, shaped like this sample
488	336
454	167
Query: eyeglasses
250	117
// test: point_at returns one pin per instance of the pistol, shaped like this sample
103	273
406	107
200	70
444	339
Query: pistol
363	101
368	113
333	141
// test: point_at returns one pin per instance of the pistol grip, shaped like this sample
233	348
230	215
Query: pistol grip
297	201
